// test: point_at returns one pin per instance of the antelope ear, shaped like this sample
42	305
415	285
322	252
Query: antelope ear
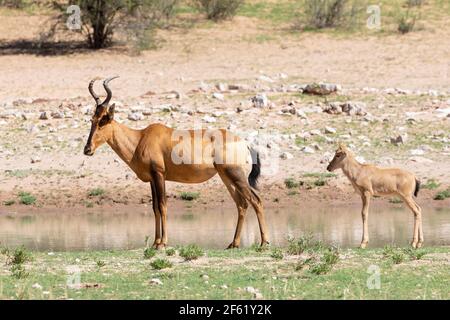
111	111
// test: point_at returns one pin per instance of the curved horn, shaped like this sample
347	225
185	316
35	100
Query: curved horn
108	90
93	94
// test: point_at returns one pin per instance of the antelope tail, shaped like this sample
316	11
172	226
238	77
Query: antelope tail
416	191
256	169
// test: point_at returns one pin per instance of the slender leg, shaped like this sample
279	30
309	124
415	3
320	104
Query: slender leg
157	217
160	191
241	205
237	177
365	218
417	238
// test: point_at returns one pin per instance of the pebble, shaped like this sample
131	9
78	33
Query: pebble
156	281
218	96
286	156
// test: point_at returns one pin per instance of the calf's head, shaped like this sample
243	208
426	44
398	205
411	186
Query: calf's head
338	159
101	120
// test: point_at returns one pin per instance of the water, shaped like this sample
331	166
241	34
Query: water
94	229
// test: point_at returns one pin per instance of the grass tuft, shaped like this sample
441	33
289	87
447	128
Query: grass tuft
189	196
161	263
26	198
191	252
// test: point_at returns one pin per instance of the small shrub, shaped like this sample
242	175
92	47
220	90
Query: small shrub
149	253
277	254
258	248
18	271
219	9
323	264
406	22
431	184
15	4
321	14
171	252
189	196
415	3
290	183
96	192
442	195
159	264
415	254
302	244
326	262
388	250
26	198
20	255
9	202
398	257
191	252
319	182
100	263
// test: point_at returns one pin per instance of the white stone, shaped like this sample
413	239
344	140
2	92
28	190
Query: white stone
156	281
286	156
218	96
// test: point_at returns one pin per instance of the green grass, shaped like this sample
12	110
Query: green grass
277	253
290	183
26	198
305	243
189	196
431	184
442	195
170	252
161	263
191	252
126	276
149	253
96	192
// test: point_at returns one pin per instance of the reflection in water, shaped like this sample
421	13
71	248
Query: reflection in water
214	228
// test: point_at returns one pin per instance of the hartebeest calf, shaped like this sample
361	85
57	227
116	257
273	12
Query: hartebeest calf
158	154
369	180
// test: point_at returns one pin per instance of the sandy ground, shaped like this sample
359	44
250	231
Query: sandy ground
367	67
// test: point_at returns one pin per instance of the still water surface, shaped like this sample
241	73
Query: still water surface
214	228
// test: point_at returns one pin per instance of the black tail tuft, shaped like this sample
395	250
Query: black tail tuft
416	191
256	169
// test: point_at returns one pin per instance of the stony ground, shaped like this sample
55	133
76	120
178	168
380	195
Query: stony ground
391	107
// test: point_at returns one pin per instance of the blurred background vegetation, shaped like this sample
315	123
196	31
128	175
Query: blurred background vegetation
136	22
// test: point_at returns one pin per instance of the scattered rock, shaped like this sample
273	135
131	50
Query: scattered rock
156	281
209	119
416	152
400	139
37	286
349	107
43	116
35	159
307	149
218	96
330	130
321	89
260	100
221	87
265	79
136	116
286	156
57	115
